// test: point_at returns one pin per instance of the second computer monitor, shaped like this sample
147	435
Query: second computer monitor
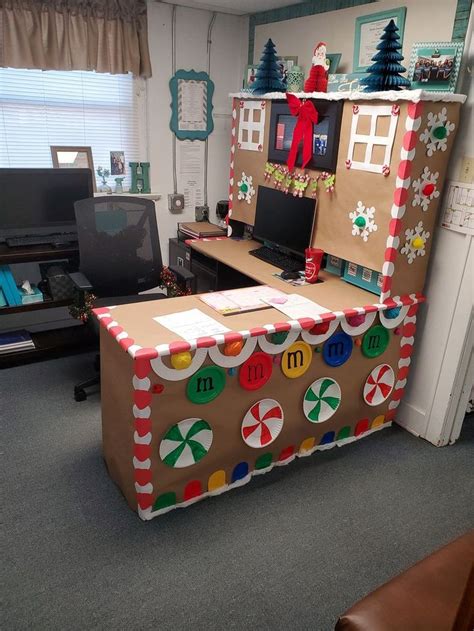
284	220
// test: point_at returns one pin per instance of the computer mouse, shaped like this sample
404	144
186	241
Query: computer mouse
288	275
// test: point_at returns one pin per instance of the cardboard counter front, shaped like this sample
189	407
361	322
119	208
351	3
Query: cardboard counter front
242	402
181	420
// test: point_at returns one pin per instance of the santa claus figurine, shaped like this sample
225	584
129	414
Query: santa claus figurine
318	79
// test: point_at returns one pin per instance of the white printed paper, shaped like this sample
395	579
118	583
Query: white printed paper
191	324
458	212
297	306
192	105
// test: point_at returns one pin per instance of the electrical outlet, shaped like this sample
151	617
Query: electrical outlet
175	202
467	170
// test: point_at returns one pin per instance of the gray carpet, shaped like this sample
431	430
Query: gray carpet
292	549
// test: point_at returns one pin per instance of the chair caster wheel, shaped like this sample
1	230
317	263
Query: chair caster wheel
79	394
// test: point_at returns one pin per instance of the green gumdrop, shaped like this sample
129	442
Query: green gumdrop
360	222
244	188
440	132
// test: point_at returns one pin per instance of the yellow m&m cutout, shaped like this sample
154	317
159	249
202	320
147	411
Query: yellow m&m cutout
180	361
296	360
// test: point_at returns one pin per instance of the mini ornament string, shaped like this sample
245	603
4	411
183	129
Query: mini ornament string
278	177
269	170
300	183
83	303
169	283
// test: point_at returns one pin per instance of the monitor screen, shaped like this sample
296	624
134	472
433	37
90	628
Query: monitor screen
41	198
284	220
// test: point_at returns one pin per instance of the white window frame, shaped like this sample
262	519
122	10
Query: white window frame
371	139
251	125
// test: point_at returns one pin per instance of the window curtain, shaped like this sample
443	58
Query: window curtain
101	35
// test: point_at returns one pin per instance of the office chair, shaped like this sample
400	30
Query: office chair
120	256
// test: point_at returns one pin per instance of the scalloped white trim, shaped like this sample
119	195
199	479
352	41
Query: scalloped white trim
391	95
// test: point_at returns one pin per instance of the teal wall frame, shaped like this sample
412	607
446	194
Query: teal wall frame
191	75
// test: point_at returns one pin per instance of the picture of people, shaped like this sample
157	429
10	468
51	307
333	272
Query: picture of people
436	67
117	163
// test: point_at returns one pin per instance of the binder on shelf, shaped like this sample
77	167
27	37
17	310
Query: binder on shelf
8	285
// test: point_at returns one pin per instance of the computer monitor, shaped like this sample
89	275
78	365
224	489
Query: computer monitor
284	221
41	201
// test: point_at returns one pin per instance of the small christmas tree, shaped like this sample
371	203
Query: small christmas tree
384	73
269	77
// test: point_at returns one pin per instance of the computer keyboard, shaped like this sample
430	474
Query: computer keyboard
48	239
278	259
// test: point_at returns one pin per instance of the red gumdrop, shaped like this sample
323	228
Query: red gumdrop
428	189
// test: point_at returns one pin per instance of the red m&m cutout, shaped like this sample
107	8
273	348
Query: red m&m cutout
256	371
428	189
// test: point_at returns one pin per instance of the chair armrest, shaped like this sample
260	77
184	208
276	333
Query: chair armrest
181	273
80	281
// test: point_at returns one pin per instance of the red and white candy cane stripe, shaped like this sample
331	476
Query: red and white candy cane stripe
231	174
406	349
350	319
407	155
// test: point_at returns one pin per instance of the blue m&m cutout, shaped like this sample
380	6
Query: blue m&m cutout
337	349
392	313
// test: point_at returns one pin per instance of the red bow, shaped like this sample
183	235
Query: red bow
307	116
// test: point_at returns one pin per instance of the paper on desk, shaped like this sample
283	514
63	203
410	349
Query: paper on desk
297	306
191	324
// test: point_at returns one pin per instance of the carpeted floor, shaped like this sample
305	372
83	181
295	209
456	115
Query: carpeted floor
291	550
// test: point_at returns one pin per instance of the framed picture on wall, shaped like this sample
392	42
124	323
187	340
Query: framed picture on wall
334	60
369	29
325	134
286	64
73	158
434	66
250	75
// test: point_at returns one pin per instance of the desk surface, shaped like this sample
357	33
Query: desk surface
333	293
137	319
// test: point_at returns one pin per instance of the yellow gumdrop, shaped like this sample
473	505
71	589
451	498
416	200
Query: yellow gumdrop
418	243
180	361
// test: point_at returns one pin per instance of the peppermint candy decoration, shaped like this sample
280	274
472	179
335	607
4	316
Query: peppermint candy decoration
262	423
186	443
321	400
379	385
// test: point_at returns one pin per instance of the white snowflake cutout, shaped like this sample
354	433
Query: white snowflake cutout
435	136
246	189
415	244
425	189
363	222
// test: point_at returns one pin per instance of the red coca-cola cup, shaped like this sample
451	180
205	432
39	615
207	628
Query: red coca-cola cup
313	258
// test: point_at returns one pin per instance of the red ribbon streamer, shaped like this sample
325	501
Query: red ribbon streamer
307	117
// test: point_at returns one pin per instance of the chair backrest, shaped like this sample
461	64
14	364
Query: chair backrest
119	245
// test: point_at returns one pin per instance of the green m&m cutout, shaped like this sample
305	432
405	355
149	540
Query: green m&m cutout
360	222
206	384
375	341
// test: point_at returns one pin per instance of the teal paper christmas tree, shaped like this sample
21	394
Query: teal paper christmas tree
384	74
269	77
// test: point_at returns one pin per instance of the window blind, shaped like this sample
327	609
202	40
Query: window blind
39	109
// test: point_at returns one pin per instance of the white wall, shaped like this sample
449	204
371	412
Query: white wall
228	55
428	409
426	20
